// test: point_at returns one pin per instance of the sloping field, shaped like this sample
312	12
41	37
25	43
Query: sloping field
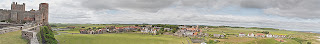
12	38
124	38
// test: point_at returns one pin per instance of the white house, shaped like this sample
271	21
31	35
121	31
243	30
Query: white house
107	29
275	36
269	35
167	29
145	29
153	31
242	34
250	35
188	33
282	36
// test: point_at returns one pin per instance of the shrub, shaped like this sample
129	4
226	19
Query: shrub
53	25
308	42
47	35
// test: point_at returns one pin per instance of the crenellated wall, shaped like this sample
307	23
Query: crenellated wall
18	15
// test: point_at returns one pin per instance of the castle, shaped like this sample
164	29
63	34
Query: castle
18	15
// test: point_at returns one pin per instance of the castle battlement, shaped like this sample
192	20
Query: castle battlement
18	15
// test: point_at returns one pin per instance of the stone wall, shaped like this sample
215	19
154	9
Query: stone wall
29	33
18	15
9	29
4	14
44	9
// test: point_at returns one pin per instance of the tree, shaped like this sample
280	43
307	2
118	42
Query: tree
53	25
265	32
136	25
174	30
143	25
47	36
308	42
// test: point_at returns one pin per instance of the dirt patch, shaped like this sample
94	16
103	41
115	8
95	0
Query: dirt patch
318	38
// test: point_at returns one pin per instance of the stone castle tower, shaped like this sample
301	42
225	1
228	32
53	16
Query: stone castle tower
18	15
44	9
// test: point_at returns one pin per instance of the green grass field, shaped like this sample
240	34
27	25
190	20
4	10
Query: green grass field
123	38
133	38
306	37
12	38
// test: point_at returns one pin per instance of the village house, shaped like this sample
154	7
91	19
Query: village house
242	35
110	28
275	36
179	32
182	27
282	36
145	29
260	35
83	31
185	31
188	33
149	29
279	36
218	36
269	36
167	29
250	35
154	31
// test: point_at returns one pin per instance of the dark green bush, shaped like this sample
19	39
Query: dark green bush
47	35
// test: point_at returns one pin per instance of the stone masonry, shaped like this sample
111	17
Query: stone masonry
29	32
29	21
18	15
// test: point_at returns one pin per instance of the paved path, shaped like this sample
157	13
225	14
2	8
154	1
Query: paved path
34	39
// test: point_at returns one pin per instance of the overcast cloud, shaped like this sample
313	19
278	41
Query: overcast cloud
299	15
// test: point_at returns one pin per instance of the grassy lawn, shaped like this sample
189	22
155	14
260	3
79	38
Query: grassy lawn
12	38
132	38
307	37
123	38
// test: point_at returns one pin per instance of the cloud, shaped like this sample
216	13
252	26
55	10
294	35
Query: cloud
139	5
308	9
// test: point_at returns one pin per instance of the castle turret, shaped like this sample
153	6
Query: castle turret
17	7
43	8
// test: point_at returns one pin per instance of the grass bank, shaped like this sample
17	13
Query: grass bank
123	38
12	38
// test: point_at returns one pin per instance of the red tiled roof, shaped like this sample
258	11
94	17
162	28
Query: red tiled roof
260	34
191	28
82	30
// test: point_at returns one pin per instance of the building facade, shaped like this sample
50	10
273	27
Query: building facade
18	15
